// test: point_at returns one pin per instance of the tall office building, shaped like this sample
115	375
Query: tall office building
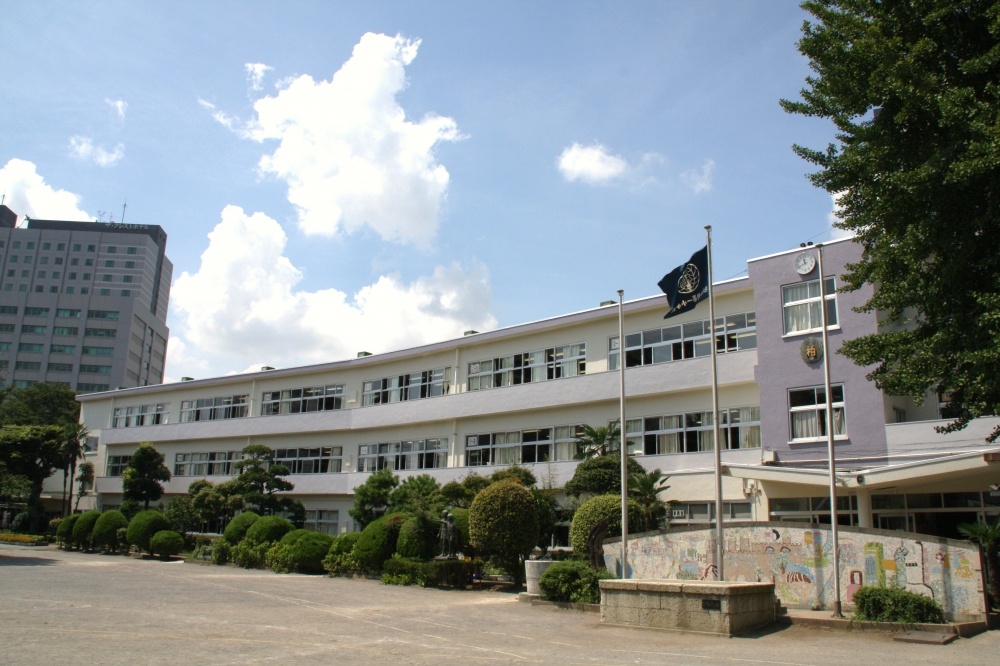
82	303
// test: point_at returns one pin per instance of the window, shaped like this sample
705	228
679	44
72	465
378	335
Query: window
36	312
5	346
60	247
139	415
735	332
6	328
739	428
424	384
100	332
76	247
70	290
523	446
43	261
84	387
213	409
65	330
296	401
11	272
106	277
126	292
321	460
98	351
102	314
13	258
41	275
91	248
105	292
74	261
16	245
321	520
69	314
410	454
33	328
216	463
126	278
807	413
58	261
25	274
112	249
528	367
46	246
815	509
129	264
96	369
8	309
27	365
116	465
60	367
62	349
131	250
30	245
800	303
34	348
109	263
8	287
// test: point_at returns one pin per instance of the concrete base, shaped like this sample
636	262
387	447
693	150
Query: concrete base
712	607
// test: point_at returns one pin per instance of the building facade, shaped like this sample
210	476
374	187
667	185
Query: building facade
521	394
82	303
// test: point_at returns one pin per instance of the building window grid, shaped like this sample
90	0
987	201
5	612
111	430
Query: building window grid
429	453
739	428
734	332
213	463
515	447
140	415
412	386
325	521
214	409
807	413
116	465
528	367
311	460
800	306
302	400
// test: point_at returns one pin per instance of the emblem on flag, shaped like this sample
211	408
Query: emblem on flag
686	285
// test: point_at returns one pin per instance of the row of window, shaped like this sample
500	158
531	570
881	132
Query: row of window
54	289
69	314
38	348
400	388
61	247
736	332
689	432
57	367
528	367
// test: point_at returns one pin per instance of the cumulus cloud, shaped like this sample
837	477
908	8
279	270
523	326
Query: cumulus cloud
28	195
119	106
349	155
255	74
591	164
242	308
834	216
699	180
83	148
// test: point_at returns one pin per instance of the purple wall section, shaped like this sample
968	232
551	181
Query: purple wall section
780	366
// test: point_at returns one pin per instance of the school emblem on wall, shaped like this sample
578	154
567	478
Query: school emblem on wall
811	350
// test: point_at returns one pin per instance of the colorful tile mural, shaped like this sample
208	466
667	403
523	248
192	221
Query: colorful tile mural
798	560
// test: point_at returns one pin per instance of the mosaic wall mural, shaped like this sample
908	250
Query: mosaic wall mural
798	560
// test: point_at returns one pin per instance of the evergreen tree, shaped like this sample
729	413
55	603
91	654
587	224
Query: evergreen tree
141	480
371	498
260	479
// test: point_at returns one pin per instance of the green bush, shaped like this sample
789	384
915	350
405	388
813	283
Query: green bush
143	526
377	542
238	526
306	554
64	533
106	529
572	581
503	525
83	529
418	537
894	604
220	551
339	559
249	555
268	529
344	543
278	558
461	517
443	573
292	537
596	509
166	543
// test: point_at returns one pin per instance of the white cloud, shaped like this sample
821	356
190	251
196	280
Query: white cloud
348	153
119	105
241	309
231	123
28	195
699	180
255	74
833	217
591	164
83	148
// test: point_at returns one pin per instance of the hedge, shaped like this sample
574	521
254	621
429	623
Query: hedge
418	537
83	529
64	533
442	573
596	509
377	542
268	529
572	581
305	554
238	526
895	604
106	529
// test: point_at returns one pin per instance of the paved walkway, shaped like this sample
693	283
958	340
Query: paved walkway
71	608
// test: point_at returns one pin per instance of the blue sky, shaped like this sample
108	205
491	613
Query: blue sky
346	176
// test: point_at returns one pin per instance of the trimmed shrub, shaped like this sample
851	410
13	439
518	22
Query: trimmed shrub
278	558
344	543
83	529
249	555
238	526
377	542
894	604
596	509
166	543
418	538
64	533
220	551
461	517
503	525
106	529
293	536
572	581
143	526
306	554
443	573
339	559
268	529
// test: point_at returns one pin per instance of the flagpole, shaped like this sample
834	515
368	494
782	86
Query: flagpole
719	550
621	422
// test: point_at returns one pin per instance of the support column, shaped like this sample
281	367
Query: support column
864	508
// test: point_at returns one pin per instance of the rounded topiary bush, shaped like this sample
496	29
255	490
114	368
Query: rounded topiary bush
377	542
503	525
64	533
418	538
238	526
596	509
895	604
344	544
83	529
307	553
106	529
268	529
293	536
340	559
572	581
166	543
143	526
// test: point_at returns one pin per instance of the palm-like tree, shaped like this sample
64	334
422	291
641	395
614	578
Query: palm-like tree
599	441
645	489
84	481
72	451
988	537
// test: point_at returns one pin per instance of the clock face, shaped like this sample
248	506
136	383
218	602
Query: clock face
804	263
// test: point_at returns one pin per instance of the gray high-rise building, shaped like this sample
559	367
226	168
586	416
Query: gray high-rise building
82	303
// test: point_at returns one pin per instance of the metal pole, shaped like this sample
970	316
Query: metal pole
837	610
621	421
719	532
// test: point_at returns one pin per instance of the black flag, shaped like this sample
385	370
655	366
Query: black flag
686	285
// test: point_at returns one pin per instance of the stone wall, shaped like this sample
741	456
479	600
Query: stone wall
798	560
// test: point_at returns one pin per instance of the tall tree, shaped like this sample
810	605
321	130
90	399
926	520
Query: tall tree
32	452
141	480
371	498
598	441
911	88
84	480
645	489
260	479
72	452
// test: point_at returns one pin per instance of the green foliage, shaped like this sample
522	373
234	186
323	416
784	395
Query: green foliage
340	559
473	483
601	475
572	581
371	495
522	475
41	404
166	543
600	441
445	573
454	493
503	525
894	604
220	551
143	526
596	509
547	518
418	537
64	533
378	540
987	535
249	555
106	529
420	493
293	536
307	552
143	474
33	452
84	479
645	489
181	514
917	185
268	529
461	517
238	526
260	479
83	529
